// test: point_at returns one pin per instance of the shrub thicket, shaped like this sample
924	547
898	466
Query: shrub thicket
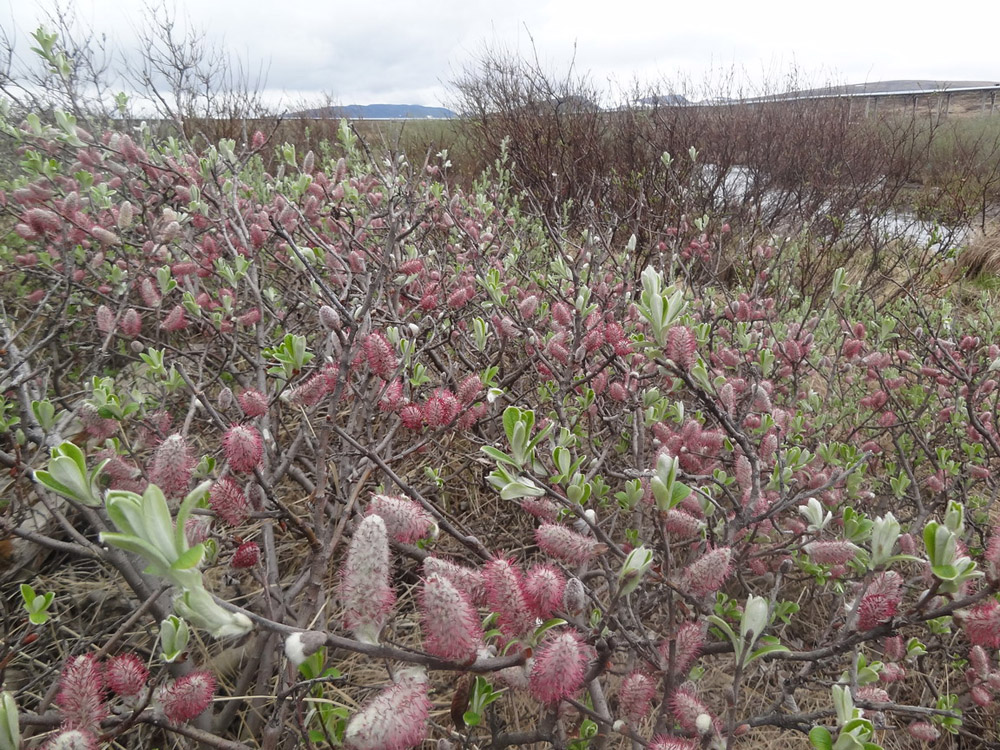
336	452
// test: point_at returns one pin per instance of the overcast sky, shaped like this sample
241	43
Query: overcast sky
407	51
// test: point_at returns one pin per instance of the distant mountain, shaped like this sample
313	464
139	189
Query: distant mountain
379	112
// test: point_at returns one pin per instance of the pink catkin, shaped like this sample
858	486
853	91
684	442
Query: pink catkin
980	662
172	466
126	674
310	392
81	694
247	555
707	574
117	468
243	447
981	696
72	739
505	596
543	589
391	396
831	553
681	524
872	693
469	388
681	346
440	409
379	355
253	403
104	236
412	417
250	317
229	502
687	708
893	648
881	600
405	521
982	624
470	416
365	589
450	624
105	319
396	719
175	320
540	507
559	668
131	323
892	672
43	221
565	545
528	307
149	293
662	742
634	696
562	313
186	697
687	647
329	317
467	580
992	555
574	596
923	731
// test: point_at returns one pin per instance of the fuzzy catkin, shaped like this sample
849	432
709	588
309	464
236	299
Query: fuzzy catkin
81	694
186	697
405	520
559	668
506	596
396	719
172	466
365	590
243	447
449	622
566	545
707	574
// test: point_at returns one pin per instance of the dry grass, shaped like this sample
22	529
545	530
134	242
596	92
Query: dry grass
980	258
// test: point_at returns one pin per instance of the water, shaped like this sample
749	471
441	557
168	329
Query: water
742	185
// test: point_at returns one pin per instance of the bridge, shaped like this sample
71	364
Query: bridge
938	99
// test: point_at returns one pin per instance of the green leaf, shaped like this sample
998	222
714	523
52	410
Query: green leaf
45	413
10	731
945	572
765	650
820	738
190	501
848	741
855	724
137	546
27	593
679	493
520	488
511	416
191	558
539	437
726	629
471	719
497	455
124	510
